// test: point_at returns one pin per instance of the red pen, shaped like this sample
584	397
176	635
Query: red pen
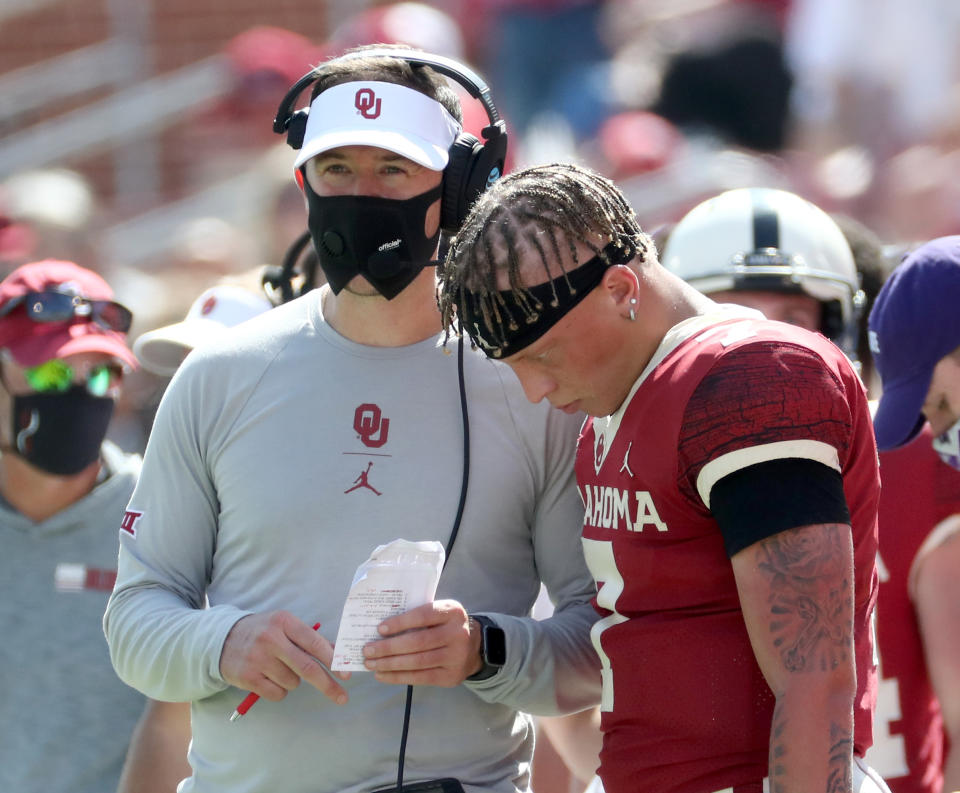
248	700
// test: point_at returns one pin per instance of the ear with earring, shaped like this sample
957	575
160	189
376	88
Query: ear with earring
633	309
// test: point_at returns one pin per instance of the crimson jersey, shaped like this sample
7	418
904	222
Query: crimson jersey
685	706
918	492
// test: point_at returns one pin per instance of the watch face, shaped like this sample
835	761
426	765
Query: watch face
494	645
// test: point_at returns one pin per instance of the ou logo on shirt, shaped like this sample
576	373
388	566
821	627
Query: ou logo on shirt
367	102
370	425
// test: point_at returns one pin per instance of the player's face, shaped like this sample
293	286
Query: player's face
942	405
581	363
800	310
568	366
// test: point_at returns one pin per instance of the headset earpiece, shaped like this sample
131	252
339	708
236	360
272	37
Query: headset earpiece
473	165
456	176
472	168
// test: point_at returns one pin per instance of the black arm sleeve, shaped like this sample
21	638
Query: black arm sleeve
761	500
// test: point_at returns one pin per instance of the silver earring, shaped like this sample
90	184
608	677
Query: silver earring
633	309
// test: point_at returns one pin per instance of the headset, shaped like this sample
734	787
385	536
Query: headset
473	166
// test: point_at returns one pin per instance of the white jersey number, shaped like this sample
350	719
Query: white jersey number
603	566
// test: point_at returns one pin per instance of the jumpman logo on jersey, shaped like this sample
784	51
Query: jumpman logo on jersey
626	460
363	481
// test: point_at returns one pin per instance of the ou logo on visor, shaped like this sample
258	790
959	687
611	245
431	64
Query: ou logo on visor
367	103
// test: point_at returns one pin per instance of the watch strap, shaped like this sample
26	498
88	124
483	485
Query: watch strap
491	637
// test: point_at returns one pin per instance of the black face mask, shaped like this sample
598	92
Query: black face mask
381	239
60	433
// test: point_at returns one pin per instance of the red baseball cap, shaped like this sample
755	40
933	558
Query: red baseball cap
32	343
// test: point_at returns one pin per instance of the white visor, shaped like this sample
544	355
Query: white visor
384	115
161	351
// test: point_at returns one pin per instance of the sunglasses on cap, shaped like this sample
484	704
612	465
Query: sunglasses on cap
57	376
53	306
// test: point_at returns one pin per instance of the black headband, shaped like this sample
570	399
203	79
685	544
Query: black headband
503	323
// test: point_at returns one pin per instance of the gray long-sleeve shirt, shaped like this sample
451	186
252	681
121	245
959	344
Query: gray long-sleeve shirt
279	459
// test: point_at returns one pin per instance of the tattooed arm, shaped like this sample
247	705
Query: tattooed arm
796	592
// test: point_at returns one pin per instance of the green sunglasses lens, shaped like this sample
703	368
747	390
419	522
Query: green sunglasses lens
49	376
98	382
56	377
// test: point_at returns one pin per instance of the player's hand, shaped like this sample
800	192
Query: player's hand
431	645
269	654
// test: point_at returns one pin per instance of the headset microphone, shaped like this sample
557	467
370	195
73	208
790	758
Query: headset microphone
299	259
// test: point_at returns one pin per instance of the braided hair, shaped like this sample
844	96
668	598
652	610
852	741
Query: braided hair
546	209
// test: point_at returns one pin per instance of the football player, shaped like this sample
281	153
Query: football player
730	485
775	251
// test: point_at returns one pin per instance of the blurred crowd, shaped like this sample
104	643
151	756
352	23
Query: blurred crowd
676	101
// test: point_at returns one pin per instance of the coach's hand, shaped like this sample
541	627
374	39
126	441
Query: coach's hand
431	645
269	654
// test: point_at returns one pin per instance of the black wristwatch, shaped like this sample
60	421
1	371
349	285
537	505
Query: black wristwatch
493	647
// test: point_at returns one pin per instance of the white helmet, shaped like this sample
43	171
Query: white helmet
770	240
